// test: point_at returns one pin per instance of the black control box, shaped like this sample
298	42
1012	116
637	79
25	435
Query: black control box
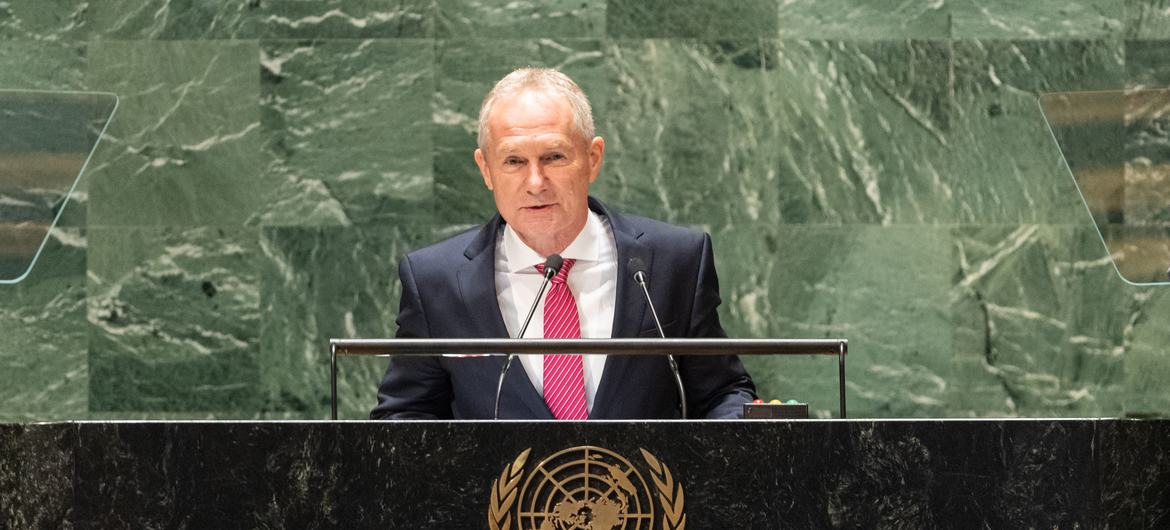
775	411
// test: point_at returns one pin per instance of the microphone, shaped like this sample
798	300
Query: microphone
639	268
552	265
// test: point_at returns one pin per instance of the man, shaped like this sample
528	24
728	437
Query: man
538	155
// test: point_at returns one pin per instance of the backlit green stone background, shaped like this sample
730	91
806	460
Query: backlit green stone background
877	170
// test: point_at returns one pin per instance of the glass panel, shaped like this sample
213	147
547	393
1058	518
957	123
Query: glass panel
46	139
1117	146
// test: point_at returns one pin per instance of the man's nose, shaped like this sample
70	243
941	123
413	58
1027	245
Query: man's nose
534	177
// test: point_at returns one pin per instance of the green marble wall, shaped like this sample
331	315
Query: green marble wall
875	170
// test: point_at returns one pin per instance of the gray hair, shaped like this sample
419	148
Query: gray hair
546	79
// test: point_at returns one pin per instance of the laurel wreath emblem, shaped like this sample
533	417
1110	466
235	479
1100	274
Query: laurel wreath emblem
670	494
504	493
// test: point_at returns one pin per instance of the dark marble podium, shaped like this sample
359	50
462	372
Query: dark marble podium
757	474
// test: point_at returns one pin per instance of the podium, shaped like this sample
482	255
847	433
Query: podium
723	474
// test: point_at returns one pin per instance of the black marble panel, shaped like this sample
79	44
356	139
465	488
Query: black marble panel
756	474
1135	474
36	475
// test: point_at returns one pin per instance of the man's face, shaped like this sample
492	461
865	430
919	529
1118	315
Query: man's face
539	168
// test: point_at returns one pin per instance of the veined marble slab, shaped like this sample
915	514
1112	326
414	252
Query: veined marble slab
184	151
347	132
878	170
174	319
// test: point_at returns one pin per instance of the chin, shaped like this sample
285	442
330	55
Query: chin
535	226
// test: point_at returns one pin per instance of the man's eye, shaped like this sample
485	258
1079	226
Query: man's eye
556	156
513	162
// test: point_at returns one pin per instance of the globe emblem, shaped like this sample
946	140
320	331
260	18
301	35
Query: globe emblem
585	488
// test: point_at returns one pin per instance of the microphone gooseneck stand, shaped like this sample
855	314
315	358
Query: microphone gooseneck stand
552	265
640	278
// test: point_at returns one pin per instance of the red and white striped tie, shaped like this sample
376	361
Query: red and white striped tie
564	374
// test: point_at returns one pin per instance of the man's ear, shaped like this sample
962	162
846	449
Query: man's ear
483	169
596	156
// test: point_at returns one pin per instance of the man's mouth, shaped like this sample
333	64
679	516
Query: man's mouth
539	208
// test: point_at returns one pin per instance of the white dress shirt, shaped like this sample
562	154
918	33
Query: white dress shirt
592	280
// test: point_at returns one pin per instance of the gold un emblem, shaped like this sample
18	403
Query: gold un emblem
585	488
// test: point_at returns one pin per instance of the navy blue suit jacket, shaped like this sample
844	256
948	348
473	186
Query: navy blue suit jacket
449	291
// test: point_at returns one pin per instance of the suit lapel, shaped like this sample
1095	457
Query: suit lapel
629	311
477	287
477	284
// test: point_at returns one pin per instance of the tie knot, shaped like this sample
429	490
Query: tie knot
561	274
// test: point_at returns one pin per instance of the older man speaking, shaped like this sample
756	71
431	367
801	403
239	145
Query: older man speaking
538	155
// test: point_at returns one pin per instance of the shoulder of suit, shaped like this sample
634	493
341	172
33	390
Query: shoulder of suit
445	251
653	230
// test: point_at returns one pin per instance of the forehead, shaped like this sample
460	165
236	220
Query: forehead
530	115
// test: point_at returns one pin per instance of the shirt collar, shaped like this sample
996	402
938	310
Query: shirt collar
585	247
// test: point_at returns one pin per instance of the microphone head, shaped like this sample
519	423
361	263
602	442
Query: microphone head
639	268
552	265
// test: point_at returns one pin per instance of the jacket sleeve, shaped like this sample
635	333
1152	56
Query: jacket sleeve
717	386
414	387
